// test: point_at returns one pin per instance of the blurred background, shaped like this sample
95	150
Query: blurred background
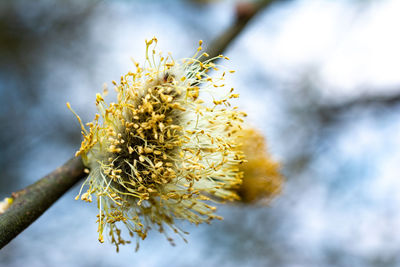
320	78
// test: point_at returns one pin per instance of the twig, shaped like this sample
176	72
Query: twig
365	101
330	112
244	13
31	202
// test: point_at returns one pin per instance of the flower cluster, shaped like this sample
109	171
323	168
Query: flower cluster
261	176
162	152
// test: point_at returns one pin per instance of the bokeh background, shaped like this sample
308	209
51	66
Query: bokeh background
320	78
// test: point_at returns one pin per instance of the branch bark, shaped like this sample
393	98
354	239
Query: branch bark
31	202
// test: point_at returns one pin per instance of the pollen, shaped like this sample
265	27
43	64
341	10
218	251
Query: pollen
165	151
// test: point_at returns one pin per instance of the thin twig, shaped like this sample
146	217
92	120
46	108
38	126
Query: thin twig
244	13
331	112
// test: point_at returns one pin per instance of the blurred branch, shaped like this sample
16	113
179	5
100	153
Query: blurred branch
365	101
34	200
330	111
244	13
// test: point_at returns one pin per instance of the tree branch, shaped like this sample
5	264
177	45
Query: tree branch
244	13
330	112
31	202
365	101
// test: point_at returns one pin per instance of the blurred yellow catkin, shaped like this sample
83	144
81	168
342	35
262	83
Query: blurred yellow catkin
261	176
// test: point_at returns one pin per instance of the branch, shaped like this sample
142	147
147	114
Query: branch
31	202
244	13
366	101
331	111
34	200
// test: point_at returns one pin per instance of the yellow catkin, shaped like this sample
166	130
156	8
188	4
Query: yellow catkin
162	151
261	176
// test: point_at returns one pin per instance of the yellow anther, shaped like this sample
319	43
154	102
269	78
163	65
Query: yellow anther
159	164
148	150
